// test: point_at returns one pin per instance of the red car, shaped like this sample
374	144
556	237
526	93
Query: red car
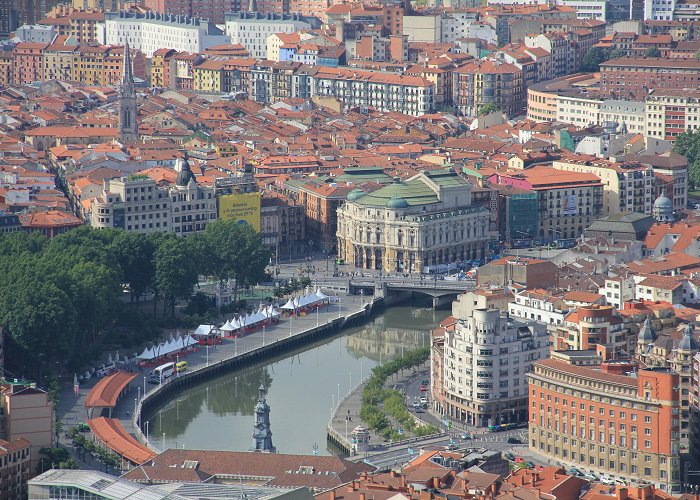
519	460
423	388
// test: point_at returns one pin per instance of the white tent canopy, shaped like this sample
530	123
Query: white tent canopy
227	327
289	305
146	354
204	330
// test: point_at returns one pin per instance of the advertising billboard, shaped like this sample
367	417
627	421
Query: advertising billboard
244	208
569	205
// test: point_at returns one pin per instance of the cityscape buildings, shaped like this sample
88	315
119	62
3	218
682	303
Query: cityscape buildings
535	162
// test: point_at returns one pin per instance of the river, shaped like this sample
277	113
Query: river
302	386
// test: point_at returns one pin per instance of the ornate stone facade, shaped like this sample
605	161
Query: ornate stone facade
406	226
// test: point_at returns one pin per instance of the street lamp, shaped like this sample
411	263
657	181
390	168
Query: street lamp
317	308
338	394
207	352
290	325
339	299
263	335
350	386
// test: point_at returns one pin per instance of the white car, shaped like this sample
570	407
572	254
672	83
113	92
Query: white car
423	401
608	480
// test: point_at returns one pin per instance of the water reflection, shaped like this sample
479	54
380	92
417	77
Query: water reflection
302	388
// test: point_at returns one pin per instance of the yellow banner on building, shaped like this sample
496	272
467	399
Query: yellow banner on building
244	208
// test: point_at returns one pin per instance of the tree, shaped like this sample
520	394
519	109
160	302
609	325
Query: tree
487	108
688	145
594	57
134	253
617	53
175	270
235	252
652	52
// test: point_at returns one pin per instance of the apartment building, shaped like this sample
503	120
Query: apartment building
486	361
567	201
588	326
412	95
253	29
15	468
627	187
81	25
26	413
635	78
214	12
611	418
485	82
670	112
538	305
136	203
152	31
28	62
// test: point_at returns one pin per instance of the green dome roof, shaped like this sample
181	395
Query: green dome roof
396	202
355	194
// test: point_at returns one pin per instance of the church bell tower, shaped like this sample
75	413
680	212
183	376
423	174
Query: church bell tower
128	125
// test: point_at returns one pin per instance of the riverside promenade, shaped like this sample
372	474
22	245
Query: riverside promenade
231	354
347	416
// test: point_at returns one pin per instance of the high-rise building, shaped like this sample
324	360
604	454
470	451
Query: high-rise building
487	358
610	418
15	13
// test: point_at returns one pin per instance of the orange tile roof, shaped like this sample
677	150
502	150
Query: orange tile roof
106	391
668	262
111	432
49	219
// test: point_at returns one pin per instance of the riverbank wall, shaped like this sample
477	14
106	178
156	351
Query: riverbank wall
161	394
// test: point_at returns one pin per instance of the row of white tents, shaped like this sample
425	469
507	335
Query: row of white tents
250	320
164	348
310	299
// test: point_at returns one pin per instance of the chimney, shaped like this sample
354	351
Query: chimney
403	481
332	495
362	496
621	493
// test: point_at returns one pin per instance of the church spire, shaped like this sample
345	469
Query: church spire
127	70
128	125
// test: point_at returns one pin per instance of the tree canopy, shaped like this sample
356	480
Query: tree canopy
688	144
593	58
58	295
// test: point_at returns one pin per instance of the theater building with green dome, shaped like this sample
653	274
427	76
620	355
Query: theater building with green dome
408	225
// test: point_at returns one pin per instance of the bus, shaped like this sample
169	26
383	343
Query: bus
162	372
181	366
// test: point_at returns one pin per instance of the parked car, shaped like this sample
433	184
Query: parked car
425	381
590	477
416	404
512	440
605	479
575	472
509	456
519	460
423	400
530	464
423	388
